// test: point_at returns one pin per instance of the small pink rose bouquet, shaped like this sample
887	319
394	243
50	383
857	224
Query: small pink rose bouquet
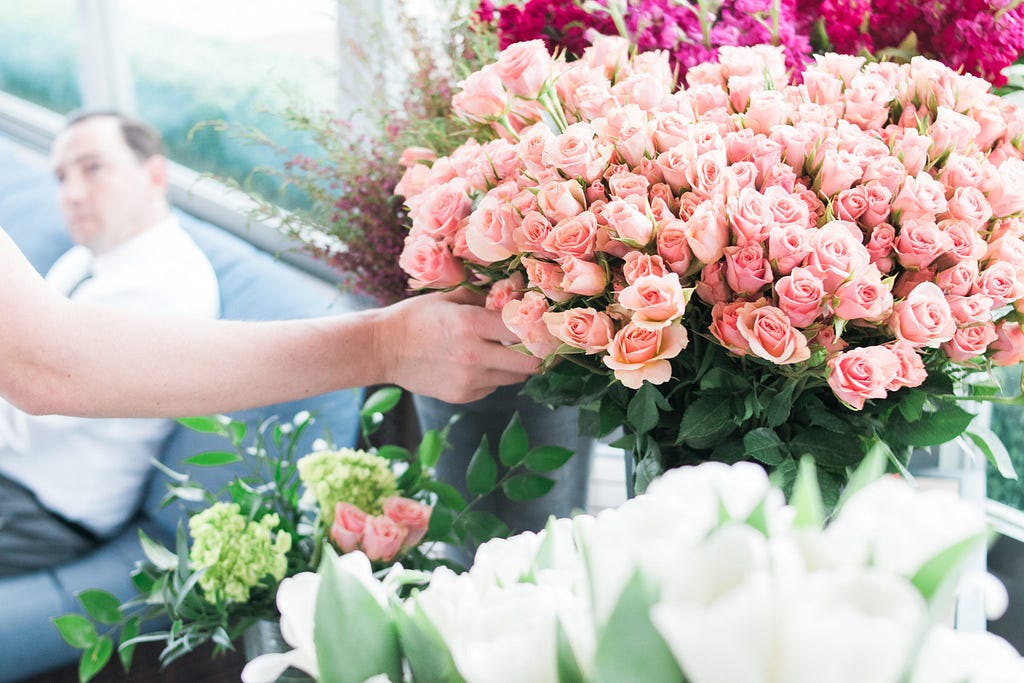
739	267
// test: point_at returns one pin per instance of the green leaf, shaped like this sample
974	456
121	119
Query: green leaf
870	468
806	498
76	630
447	494
992	446
523	487
440	524
548	458
911	404
644	472
213	458
429	451
946	423
236	432
780	406
643	413
129	631
617	658
95	658
707	421
826	448
157	554
513	446
381	401
213	424
481	526
394	453
425	651
354	636
765	445
101	606
482	473
568	666
938	574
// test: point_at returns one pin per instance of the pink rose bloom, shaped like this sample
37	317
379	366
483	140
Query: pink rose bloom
1011	200
787	208
970	310
707	232
746	269
1009	344
525	318
912	372
411	514
999	281
880	246
1005	247
490	228
961	172
482	98
561	199
638	264
958	279
674	247
582	328
827	339
865	297
524	67
877	199
797	142
771	335
711	288
911	147
766	109
862	373
887	171
839	170
547	277
430	264
850	205
629	223
919	243
347	528
822	87
609	54
414	156
844	67
637	353
573	236
532	142
970	342
706	174
382	538
788	246
751	217
655	301
725	324
921	198
836	253
867	101
577	153
800	296
441	209
585	278
924	317
414	181
506	290
624	184
741	175
531	233
669	129
909	279
674	164
951	132
966	243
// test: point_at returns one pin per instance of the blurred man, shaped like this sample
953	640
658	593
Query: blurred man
67	482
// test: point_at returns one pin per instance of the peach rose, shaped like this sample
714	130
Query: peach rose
965	242
430	264
656	301
674	247
788	246
585	278
877	198
582	328
880	246
912	372
836	253
968	310
865	297
921	198
638	353
750	216
411	514
850	204
532	141
707	232
638	264
348	525
958	279
746	269
525	318
1009	344
524	67
711	288
970	342
547	277
531	233
919	243
827	339
800	296
506	290
561	199
382	538
772	336
629	223
483	97
862	373
839	170
573	236
924	317
441	209
414	181
577	153
999	281
724	324
625	184
887	171
490	228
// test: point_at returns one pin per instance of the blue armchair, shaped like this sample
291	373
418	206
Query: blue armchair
254	286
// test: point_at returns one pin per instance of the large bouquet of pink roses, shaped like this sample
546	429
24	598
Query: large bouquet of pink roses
741	268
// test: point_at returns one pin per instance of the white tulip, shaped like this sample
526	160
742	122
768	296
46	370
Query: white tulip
967	657
504	561
296	601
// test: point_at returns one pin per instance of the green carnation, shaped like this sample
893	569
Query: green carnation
235	552
348	476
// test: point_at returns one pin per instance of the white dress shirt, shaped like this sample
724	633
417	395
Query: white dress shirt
92	471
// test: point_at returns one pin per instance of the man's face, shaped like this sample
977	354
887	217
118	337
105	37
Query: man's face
106	194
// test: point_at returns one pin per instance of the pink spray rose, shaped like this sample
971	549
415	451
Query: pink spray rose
864	297
746	269
912	372
637	354
656	301
772	336
924	317
524	67
970	341
483	97
800	296
383	538
430	263
506	290
1009	344
583	277
347	528
582	328
862	373
411	514
525	317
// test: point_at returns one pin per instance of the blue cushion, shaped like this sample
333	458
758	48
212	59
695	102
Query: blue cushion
254	286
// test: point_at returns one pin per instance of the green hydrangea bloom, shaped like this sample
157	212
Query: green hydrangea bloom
235	552
349	476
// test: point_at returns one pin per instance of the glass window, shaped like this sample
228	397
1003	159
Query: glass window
1008	424
38	52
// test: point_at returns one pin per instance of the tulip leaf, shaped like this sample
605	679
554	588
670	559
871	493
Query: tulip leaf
514	445
95	658
990	444
213	458
568	666
548	458
871	467
127	650
354	636
940	572
806	498
425	651
617	659
482	473
429	451
157	554
76	630
101	606
523	487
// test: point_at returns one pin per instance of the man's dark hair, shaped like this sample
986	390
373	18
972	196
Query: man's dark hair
144	140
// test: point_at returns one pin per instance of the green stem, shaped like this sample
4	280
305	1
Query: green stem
705	26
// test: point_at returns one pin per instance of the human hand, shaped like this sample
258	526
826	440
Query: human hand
448	346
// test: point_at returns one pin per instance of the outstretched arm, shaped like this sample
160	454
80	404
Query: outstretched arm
61	357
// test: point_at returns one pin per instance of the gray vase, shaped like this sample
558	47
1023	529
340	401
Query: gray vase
544	427
265	637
